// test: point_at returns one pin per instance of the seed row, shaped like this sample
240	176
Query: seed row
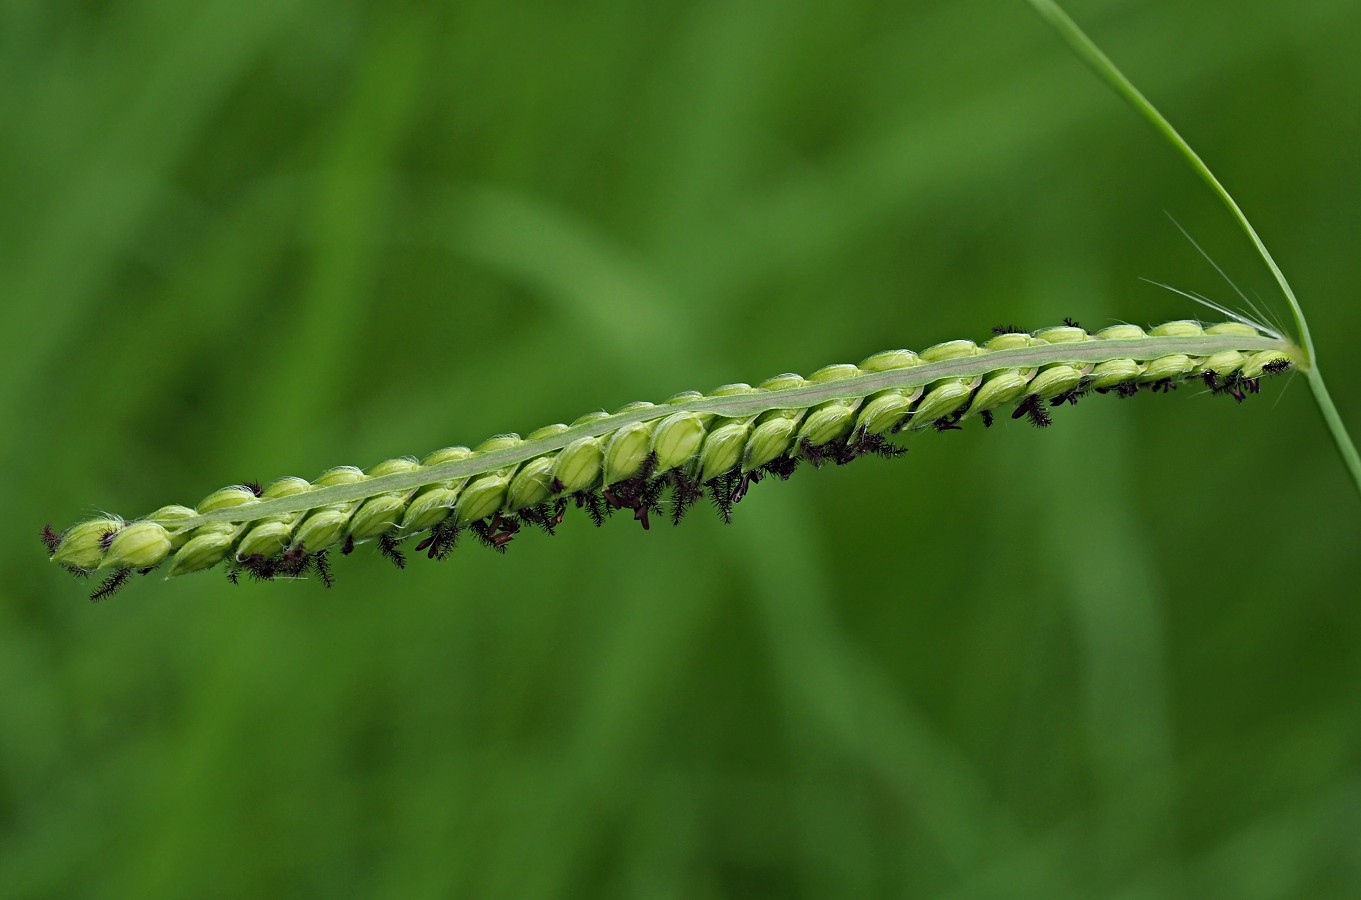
668	460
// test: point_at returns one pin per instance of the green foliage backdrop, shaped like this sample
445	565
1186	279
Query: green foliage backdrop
246	239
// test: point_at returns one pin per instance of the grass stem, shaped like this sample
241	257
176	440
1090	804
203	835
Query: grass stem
1092	55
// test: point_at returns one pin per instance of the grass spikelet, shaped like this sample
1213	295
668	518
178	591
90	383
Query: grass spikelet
645	456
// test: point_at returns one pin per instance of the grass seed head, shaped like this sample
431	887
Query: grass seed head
650	460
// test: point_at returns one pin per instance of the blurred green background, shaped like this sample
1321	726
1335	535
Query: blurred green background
239	240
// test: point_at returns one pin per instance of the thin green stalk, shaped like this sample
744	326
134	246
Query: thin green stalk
1091	54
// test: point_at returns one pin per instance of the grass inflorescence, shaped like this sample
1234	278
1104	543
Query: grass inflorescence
655	462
